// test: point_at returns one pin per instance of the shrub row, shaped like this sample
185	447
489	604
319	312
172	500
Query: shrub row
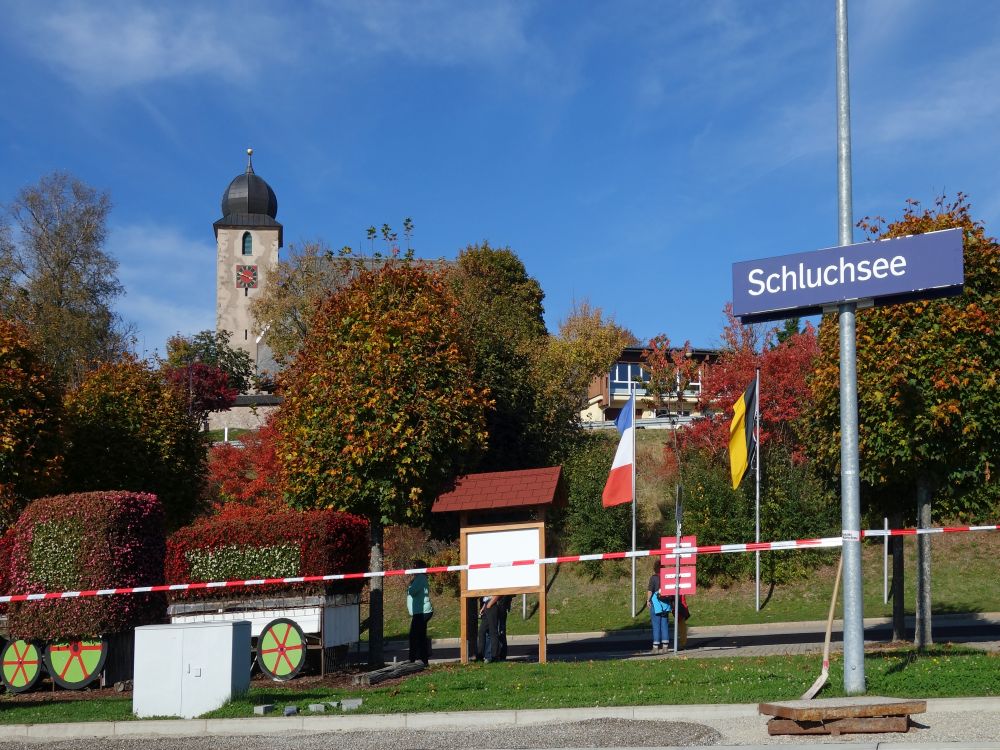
86	541
272	545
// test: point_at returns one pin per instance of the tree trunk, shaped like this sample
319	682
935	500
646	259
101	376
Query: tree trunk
898	600
922	638
375	589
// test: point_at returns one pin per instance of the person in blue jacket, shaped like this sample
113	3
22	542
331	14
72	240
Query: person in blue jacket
418	604
659	610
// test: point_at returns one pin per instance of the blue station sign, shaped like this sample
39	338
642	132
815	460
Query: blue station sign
920	266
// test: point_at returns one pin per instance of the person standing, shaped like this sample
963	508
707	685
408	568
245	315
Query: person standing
659	611
487	642
503	609
418	604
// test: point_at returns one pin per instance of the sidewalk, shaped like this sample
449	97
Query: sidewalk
770	639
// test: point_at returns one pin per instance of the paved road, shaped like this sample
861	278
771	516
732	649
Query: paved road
978	631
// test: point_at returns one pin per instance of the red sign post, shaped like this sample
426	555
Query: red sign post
668	570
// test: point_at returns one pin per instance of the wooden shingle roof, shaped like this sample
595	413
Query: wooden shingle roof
496	490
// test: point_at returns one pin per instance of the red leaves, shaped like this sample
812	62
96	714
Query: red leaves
248	477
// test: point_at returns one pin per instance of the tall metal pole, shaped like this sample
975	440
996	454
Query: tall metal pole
756	450
850	498
634	433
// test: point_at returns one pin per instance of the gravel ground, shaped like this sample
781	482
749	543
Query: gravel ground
952	727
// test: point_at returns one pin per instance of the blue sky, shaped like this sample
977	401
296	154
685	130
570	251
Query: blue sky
629	152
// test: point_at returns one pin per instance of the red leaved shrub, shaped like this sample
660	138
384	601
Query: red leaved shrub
86	541
327	541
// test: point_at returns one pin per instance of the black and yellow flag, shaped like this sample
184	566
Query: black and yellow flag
741	433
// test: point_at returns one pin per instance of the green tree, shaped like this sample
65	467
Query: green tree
927	423
56	278
500	306
30	413
127	429
212	348
590	527
381	408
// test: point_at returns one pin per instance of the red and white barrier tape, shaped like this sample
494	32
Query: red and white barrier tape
668	551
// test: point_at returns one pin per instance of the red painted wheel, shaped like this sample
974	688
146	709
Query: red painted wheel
22	665
75	664
281	649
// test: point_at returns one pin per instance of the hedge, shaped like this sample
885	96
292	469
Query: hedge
85	541
272	545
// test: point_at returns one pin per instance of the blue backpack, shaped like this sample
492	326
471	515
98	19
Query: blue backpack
661	605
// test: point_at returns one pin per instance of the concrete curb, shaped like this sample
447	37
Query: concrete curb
453	720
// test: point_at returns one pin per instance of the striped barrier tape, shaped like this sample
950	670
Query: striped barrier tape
666	551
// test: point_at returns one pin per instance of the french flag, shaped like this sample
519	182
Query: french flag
619	488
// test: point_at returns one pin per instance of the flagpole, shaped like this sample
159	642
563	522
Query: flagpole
756	424
635	432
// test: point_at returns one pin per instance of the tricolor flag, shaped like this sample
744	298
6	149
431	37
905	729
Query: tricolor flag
619	488
741	433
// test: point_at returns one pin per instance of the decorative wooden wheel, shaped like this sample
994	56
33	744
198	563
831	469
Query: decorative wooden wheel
281	649
75	664
22	665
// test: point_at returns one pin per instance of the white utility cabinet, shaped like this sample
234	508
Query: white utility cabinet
187	669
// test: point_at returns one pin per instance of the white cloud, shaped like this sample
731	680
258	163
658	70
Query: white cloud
169	282
113	45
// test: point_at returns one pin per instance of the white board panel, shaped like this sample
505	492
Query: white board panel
503	546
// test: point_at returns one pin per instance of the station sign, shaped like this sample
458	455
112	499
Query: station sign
902	269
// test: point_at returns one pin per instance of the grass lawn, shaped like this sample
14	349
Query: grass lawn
964	574
941	672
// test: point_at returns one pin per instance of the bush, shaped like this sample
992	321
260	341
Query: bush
128	430
268	545
249	475
80	542
590	527
793	505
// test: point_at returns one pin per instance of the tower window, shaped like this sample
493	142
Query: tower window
247	244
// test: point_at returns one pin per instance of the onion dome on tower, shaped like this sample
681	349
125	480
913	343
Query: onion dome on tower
249	202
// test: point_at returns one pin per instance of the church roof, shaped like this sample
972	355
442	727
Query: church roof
249	202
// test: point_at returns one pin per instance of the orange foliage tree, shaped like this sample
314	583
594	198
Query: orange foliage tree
928	411
381	408
30	412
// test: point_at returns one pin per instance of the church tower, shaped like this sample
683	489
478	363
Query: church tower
247	242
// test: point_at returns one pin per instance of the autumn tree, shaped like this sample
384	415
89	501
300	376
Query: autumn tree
310	274
56	278
127	429
927	383
381	408
587	344
784	365
500	307
30	413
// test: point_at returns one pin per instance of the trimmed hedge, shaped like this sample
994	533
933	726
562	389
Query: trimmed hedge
271	545
86	541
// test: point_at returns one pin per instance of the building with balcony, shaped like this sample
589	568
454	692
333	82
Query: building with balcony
608	393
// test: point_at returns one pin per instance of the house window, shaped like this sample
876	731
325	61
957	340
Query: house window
623	373
247	244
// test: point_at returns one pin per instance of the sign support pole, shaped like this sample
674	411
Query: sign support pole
850	499
756	451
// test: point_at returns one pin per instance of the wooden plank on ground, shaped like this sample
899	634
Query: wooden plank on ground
399	669
840	726
858	707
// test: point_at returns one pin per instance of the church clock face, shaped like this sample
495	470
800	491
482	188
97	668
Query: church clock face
246	277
